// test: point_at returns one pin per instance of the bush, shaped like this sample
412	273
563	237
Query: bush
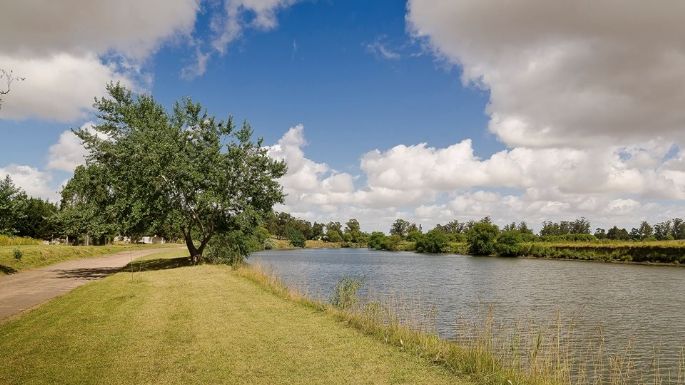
17	254
481	238
509	244
434	241
345	293
296	238
376	240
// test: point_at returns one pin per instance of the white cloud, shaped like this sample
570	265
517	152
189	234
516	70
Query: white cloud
34	182
69	152
380	49
564	74
59	87
609	185
69	50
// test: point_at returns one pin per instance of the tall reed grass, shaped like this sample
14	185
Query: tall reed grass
6	240
485	352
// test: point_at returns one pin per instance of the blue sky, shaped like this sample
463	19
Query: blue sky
315	69
370	82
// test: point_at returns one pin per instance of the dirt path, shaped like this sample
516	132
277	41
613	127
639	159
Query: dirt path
27	289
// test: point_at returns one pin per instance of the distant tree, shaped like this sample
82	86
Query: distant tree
317	231
663	231
400	228
508	243
334	232
296	237
353	232
376	240
645	231
35	221
183	171
618	234
600	233
12	199
481	238
678	228
434	241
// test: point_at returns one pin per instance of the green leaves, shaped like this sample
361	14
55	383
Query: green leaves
182	173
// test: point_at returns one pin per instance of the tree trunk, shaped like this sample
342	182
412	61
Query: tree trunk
195	254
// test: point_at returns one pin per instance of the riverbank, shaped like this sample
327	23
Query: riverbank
31	256
198	325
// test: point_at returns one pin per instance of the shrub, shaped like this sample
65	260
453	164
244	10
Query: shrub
296	238
481	238
345	293
509	244
434	241
17	254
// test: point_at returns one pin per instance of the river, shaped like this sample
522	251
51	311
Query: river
633	305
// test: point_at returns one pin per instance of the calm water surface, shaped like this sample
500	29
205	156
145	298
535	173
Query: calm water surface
643	305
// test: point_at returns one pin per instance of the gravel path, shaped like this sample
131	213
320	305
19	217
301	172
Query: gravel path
27	289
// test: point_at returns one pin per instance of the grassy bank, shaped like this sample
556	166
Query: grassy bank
196	325
669	252
43	255
284	244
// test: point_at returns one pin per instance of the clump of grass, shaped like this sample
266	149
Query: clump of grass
345	294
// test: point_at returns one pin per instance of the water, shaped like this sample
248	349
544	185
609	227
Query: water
640	305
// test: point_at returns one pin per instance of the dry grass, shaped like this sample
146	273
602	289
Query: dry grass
16	241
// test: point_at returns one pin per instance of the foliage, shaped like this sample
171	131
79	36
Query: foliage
578	226
233	247
333	232
481	238
345	293
17	254
353	232
434	241
296	238
183	172
509	243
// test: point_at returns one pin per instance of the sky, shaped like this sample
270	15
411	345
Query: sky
426	110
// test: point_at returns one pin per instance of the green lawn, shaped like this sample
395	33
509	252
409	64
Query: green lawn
195	325
43	255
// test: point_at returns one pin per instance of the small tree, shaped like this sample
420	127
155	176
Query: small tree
296	238
182	172
434	241
481	238
508	243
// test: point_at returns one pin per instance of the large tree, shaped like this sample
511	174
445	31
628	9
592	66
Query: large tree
182	172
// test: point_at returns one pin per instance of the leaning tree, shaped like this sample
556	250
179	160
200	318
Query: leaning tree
181	172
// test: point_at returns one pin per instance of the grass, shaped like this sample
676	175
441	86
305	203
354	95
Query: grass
42	255
196	325
284	244
15	241
667	252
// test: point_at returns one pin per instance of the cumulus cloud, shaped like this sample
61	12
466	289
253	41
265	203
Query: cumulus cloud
566	73
609	185
60	48
69	152
34	182
69	50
